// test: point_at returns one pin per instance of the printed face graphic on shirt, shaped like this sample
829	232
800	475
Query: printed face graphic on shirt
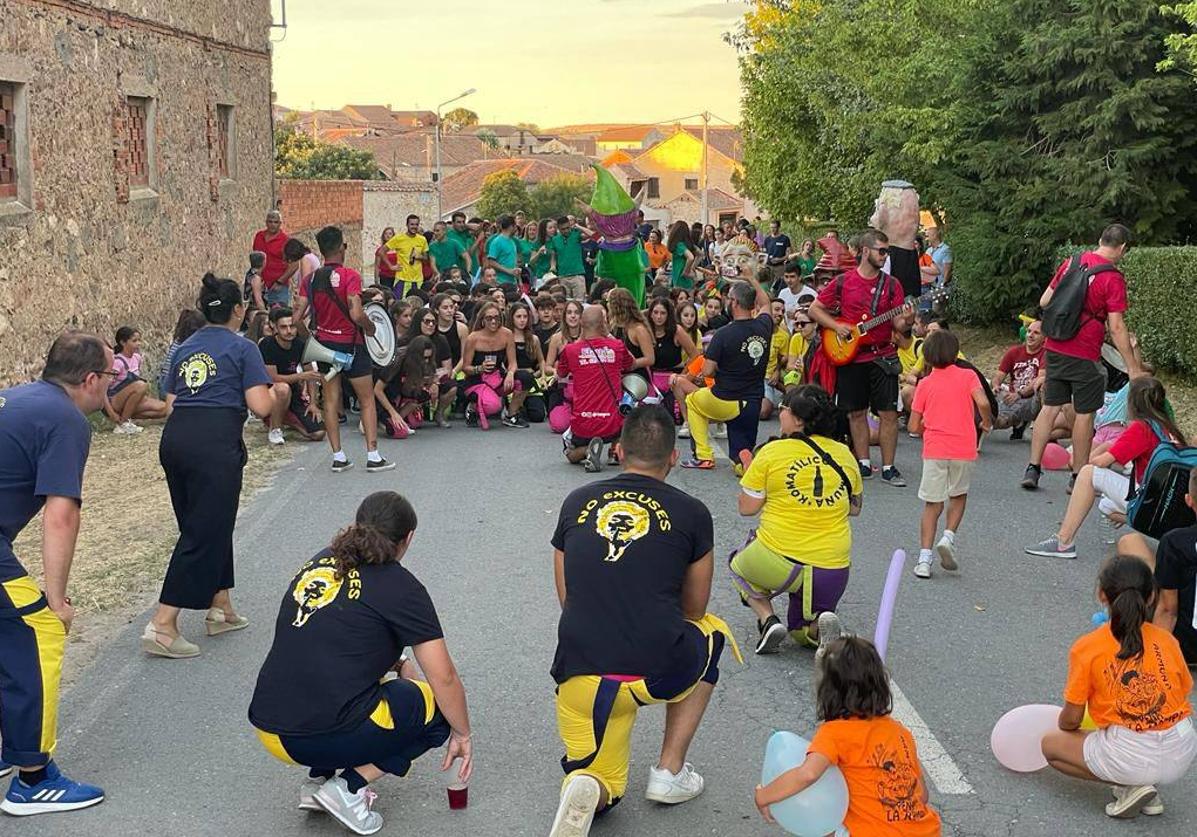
196	370
1140	694
755	347
897	790
315	588
623	517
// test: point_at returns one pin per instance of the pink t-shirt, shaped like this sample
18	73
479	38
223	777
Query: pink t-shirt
126	365
945	399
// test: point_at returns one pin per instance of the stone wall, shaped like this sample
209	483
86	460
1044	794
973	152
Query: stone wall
387	204
89	246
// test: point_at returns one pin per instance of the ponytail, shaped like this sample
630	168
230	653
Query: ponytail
1128	585
358	545
383	521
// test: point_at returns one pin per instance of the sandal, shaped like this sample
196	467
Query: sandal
176	649
216	622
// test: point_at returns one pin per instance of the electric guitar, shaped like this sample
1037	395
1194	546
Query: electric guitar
842	350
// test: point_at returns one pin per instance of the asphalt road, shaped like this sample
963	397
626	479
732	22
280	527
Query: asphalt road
170	743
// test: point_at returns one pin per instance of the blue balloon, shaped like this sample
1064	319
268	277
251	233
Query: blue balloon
817	811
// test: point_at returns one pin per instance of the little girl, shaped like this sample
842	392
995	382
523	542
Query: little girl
876	754
1134	679
128	396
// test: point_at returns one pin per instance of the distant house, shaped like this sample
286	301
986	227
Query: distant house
510	138
634	137
412	156
461	192
672	174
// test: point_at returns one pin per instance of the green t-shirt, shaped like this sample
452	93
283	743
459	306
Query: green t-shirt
463	240
569	253
446	253
503	250
806	265
539	265
678	264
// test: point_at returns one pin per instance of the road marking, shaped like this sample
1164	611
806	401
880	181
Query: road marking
945	775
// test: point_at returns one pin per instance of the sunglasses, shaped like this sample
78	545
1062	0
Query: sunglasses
803	323
882	251
427	321
491	318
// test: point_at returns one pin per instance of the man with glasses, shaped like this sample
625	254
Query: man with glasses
297	404
44	442
870	381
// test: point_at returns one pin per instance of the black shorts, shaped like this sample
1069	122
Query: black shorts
904	266
866	385
297	414
361	366
1076	381
584	441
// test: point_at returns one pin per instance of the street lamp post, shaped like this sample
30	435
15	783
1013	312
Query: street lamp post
439	176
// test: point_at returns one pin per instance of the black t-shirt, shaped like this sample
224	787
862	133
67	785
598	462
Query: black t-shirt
904	266
714	323
333	640
1176	569
628	542
544	335
285	361
741	350
443	350
776	247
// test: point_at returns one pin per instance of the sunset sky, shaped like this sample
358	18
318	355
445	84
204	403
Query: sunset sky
550	62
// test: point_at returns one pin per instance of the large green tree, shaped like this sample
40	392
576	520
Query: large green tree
555	196
299	155
503	193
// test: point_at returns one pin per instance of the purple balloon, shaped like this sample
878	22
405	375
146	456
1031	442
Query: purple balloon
889	596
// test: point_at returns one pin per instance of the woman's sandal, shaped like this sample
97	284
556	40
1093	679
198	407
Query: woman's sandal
216	622
176	649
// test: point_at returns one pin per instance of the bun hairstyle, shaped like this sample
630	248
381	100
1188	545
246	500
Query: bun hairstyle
218	298
1128	586
812	404
383	521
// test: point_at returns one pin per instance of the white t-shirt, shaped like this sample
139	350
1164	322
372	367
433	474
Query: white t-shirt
790	298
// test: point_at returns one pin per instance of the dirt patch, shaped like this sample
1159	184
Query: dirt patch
128	531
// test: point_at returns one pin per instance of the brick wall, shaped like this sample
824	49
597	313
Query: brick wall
90	252
312	204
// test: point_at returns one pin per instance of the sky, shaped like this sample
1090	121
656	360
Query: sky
548	62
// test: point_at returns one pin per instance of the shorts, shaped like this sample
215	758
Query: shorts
1124	757
1022	411
1108	433
32	643
904	266
757	570
595	714
361	367
403	726
864	386
583	441
575	286
944	478
1076	381
773	394
1113	488
297	414
277	296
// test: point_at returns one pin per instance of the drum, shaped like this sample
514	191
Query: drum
381	345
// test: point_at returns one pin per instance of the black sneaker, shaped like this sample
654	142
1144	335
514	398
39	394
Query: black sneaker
471	418
1017	432
1030	479
892	476
866	471
1071	484
772	635
342	419
377	466
515	421
340	466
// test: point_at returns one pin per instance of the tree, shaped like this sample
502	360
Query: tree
458	118
503	193
1182	44
555	196
299	155
488	138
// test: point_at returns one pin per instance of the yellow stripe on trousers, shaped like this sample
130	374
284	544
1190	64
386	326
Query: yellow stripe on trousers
50	636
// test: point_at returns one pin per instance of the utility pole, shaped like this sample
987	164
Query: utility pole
702	182
437	139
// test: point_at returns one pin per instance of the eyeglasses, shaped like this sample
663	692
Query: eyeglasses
428	321
111	373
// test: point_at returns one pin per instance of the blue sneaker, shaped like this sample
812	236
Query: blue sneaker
5	769
55	793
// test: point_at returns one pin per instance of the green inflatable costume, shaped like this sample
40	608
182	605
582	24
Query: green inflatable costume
621	256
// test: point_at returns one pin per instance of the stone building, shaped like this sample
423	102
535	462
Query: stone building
135	154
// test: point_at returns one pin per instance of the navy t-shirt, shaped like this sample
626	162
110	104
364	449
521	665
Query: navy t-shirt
1176	569
741	350
214	367
776	247
44	441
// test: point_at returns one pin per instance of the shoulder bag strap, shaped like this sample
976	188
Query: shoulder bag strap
325	274
599	360
831	463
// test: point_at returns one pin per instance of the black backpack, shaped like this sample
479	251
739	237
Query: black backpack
1062	317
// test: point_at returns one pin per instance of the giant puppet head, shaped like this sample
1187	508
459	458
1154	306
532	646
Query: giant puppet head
612	213
896	213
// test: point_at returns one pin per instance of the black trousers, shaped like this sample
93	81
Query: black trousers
203	455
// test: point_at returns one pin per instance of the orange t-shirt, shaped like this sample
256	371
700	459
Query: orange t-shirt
885	781
1144	693
658	254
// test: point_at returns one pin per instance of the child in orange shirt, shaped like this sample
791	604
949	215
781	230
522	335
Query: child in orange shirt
886	792
1134	679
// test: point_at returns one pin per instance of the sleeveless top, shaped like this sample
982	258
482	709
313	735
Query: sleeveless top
522	359
668	355
634	350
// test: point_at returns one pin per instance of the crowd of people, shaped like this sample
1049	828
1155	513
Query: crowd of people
505	323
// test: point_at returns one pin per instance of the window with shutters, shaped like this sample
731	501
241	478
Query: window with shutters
654	187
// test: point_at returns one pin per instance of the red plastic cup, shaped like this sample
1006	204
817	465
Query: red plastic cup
459	797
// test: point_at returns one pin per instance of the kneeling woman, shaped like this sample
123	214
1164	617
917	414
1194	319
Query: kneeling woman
321	706
805	486
488	361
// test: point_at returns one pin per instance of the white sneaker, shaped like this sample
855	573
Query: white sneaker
579	801
672	788
275	436
1152	808
127	428
683	432
352	810
946	549
1129	801
923	569
307	795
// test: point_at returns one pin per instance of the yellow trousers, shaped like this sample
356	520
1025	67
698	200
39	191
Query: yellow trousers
703	408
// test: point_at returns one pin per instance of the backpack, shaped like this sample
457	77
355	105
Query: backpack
1158	504
1061	319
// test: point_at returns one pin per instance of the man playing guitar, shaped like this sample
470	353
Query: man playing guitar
871	379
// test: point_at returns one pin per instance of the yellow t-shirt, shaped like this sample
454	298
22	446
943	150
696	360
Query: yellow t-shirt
798	345
805	516
403	245
777	350
911	357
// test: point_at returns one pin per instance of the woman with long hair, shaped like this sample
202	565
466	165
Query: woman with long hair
529	362
385	261
402	312
687	318
629	325
658	253
806	259
1150	424
671	346
488	361
681	255
560	396
542	258
128	395
425	323
317	705
217	375
805	486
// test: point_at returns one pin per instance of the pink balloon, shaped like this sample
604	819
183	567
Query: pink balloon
1017	737
1056	458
